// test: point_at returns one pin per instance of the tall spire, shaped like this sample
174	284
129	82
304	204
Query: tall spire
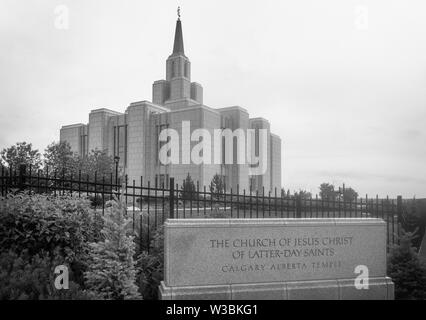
178	44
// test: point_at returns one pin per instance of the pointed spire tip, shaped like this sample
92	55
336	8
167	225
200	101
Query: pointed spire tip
178	43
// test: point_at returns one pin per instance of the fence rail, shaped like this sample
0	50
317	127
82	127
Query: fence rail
150	205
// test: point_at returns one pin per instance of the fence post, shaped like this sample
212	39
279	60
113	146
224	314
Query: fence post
399	215
298	206
172	198
22	173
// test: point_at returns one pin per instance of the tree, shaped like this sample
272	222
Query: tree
188	189
327	192
21	154
101	162
59	157
97	161
112	273
349	195
303	194
406	270
217	186
31	277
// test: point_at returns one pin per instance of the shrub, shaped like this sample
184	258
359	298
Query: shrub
44	223
111	273
413	217
406	271
96	201
145	226
32	277
150	267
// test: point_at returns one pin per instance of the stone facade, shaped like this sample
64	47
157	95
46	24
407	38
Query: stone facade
133	136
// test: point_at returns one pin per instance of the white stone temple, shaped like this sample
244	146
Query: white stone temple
133	136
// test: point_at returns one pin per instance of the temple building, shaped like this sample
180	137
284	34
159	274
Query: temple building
133	136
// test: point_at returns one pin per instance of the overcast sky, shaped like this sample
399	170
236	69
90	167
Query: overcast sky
342	82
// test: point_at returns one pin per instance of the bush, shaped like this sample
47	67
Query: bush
147	228
32	277
111	273
96	201
150	267
406	270
413	217
43	224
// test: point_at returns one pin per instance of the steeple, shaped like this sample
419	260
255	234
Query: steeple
177	90
178	44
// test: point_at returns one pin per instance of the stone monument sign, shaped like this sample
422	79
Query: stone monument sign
275	259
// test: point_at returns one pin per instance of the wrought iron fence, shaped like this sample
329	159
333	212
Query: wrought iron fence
150	204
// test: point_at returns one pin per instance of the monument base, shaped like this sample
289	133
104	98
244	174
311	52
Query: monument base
379	289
